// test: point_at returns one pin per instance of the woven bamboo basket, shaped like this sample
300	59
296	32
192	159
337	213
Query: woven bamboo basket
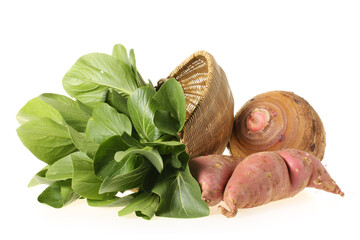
210	104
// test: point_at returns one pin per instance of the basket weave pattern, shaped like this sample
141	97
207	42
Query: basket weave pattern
210	104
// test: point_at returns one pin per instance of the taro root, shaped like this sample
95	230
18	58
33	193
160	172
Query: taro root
277	120
209	102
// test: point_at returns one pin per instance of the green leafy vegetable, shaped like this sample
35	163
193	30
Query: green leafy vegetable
171	143
62	169
82	143
131	141
138	77
166	123
150	153
142	109
46	139
129	177
180	195
179	158
69	110
113	202
115	134
107	122
94	74
104	160
57	107
117	101
35	109
171	97
40	178
58	194
85	182
119	51
144	205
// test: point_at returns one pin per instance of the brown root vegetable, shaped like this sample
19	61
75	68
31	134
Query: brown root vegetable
212	173
209	104
268	176
277	120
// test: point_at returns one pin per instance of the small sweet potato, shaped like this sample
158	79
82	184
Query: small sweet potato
212	173
269	176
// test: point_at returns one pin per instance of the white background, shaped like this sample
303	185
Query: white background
309	47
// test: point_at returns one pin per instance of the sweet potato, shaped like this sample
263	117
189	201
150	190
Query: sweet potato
269	176
212	173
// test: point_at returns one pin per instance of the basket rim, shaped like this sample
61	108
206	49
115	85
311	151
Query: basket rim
211	65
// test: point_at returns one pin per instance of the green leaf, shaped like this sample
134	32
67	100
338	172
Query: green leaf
150	84
35	109
39	178
148	152
59	108
69	109
104	160
107	122
142	110
113	202
164	143
150	179
183	158
179	158
84	108
162	147
171	97
180	195
62	169
117	101
119	51
164	150
129	177
131	142
46	139
82	143
58	194
85	182
144	205
138	77
166	123
90	78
